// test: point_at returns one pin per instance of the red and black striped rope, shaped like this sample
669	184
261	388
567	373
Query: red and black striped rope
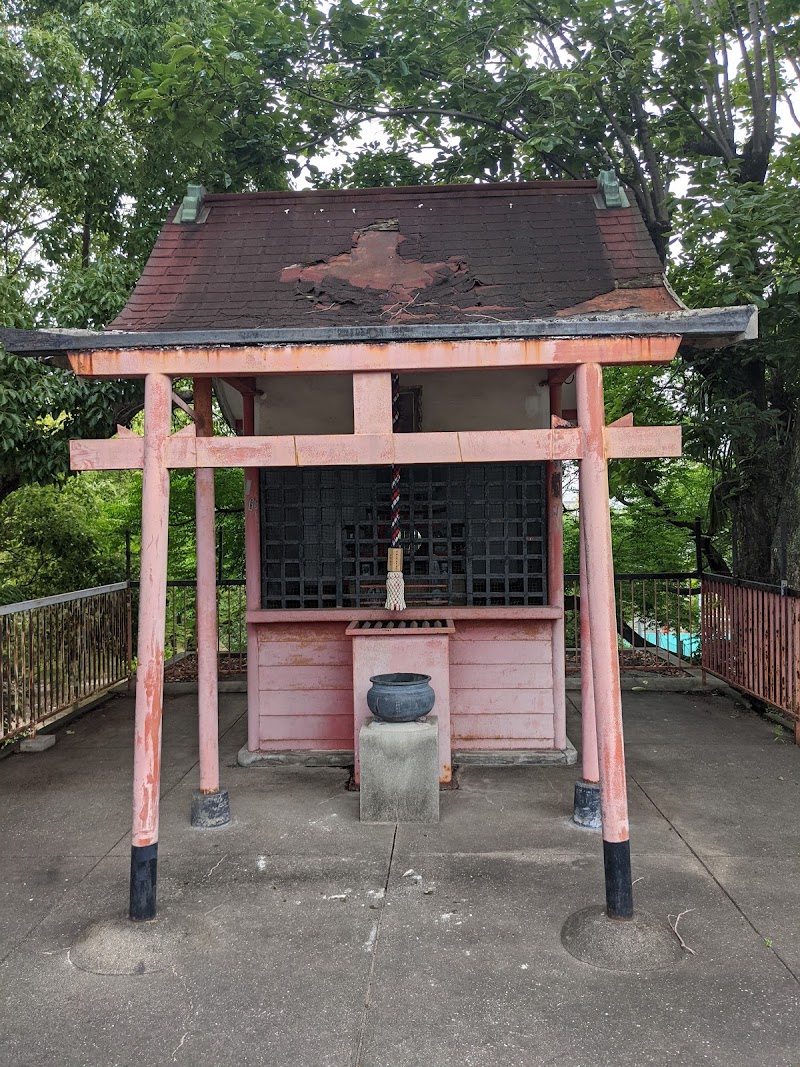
395	519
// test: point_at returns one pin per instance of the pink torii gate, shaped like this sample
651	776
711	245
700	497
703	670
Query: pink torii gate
591	442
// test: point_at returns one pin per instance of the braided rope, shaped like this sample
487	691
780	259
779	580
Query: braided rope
395	587
395	513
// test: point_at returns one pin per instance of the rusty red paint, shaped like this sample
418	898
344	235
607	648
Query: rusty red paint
651	298
751	639
372	262
590	771
319	450
152	611
207	684
594	505
252	552
409	356
555	582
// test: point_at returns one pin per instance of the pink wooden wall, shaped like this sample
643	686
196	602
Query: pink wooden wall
305	686
501	685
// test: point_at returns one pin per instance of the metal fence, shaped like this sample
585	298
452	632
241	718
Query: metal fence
658	621
58	651
751	639
181	623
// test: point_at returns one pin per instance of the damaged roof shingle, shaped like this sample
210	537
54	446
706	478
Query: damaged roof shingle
439	254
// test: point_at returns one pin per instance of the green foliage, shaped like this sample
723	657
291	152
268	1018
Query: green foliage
41	408
112	107
56	538
229	494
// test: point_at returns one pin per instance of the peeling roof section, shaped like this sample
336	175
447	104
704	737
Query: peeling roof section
390	257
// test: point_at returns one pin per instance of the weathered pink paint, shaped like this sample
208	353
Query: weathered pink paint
499	688
334	677
372	402
152	611
501	684
487	732
602	606
118	454
346	615
501	625
318	715
386	356
589	766
475	676
401	651
648	442
207	694
498	702
185	451
498	652
252	557
555	580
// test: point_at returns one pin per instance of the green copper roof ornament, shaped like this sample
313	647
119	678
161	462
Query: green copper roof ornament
609	191
191	209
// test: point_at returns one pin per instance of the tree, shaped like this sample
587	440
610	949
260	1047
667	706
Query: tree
88	177
54	539
666	94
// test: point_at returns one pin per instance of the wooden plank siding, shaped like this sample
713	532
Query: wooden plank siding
500	672
501	685
305	682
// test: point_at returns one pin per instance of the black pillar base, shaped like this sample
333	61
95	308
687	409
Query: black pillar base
144	864
210	810
619	888
586	808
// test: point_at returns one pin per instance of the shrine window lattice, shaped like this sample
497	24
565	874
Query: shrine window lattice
472	534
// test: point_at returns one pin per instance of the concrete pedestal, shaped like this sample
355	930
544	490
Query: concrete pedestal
400	771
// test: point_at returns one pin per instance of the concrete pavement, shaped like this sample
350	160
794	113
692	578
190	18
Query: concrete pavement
298	936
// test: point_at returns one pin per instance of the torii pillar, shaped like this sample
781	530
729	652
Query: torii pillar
596	530
210	804
150	650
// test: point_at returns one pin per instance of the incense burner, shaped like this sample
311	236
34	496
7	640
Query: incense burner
400	697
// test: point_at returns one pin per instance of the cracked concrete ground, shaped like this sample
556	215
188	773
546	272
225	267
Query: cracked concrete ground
297	936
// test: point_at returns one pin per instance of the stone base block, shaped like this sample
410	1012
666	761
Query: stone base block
210	810
586	809
38	743
400	771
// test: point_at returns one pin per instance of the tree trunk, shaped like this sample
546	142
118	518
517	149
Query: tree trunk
761	448
785	547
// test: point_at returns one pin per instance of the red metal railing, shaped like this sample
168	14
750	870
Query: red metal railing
59	651
751	639
658	621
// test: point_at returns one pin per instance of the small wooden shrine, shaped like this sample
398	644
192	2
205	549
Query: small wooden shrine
405	368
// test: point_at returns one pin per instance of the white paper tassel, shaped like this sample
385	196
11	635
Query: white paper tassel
395	591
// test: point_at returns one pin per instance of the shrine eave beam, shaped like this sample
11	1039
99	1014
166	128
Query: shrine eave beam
397	357
185	450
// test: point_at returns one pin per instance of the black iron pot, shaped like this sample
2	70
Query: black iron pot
400	697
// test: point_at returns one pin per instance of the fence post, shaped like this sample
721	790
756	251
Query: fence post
698	546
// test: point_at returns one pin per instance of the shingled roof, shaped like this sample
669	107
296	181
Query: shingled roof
368	257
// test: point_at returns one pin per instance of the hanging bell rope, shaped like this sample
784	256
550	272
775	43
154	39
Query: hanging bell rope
395	586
